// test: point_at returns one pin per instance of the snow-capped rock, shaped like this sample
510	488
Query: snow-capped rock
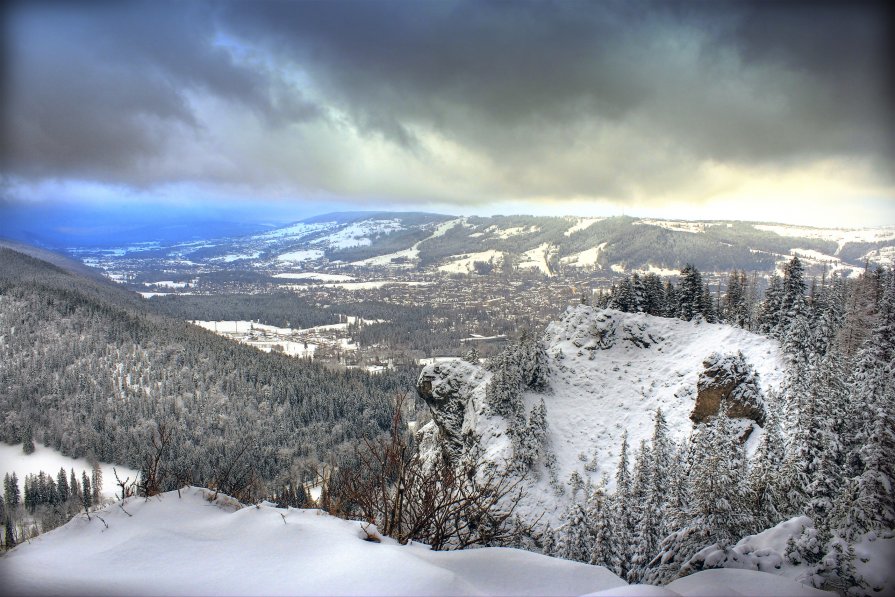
608	373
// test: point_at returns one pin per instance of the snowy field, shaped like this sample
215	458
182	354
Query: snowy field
48	460
190	545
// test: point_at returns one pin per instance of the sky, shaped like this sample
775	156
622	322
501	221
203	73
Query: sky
770	111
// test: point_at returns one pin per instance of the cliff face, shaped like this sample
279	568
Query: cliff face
607	373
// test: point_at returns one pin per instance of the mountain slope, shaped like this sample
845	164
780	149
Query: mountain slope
433	243
91	372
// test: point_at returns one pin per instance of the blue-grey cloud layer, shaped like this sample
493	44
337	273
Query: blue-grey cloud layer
504	99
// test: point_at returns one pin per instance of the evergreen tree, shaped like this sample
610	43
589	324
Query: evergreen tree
27	440
86	493
96	483
690	293
62	486
765	483
769	311
622	524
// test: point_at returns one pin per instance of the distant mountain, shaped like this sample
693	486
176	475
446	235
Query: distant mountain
439	244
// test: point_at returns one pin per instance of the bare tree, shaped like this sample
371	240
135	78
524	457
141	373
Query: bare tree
448	505
152	472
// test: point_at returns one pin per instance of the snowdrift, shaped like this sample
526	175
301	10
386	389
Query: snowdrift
193	544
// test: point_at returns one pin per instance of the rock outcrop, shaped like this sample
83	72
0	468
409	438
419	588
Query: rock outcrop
447	387
730	379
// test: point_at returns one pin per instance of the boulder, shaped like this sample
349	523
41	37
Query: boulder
728	378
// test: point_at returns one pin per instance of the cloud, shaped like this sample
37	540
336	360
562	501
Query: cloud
455	102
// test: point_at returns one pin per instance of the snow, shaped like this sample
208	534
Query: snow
48	460
619	269
874	556
678	225
729	581
661	271
358	234
586	258
237	256
609	372
324	277
166	284
296	230
506	233
463	264
195	546
299	256
581	224
841	236
537	259
411	254
882	256
813	255
599	392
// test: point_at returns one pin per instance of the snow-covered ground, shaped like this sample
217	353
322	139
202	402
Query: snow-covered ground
537	259
609	372
841	236
193	545
323	277
464	264
586	258
48	460
300	256
597	393
581	224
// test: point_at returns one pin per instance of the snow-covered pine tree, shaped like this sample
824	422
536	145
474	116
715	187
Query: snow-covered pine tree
622	520
768	496
769	310
646	514
689	293
670	300
793	289
599	515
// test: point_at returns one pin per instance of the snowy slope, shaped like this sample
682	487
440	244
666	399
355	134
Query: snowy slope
190	545
609	372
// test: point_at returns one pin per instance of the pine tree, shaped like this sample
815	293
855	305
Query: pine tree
598	512
767	491
62	486
690	293
769	311
646	515
86	493
793	290
27	440
622	524
96	483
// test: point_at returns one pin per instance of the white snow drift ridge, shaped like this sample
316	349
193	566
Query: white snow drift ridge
194	544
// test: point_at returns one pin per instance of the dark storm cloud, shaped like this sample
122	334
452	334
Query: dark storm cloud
765	81
609	99
102	90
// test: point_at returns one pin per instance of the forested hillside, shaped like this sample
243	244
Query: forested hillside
86	370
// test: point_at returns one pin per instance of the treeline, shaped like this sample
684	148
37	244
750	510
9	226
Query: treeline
47	502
